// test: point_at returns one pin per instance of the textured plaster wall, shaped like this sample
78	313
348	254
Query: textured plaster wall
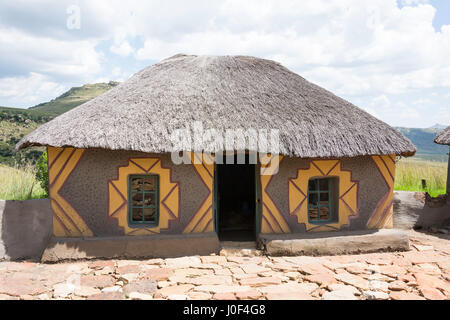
87	190
371	189
25	228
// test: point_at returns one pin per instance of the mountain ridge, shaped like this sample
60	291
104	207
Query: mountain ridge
423	139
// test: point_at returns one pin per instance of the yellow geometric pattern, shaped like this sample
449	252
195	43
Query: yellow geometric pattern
169	196
382	215
66	221
202	220
272	220
348	194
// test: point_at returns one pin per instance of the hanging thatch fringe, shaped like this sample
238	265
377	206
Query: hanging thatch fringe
224	92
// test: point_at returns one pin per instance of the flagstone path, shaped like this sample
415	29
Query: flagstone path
422	273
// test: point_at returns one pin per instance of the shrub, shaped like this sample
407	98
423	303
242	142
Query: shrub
42	172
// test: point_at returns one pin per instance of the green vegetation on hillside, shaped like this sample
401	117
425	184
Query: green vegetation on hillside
15	123
410	172
74	97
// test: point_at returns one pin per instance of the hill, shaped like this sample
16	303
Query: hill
438	126
16	123
423	140
74	97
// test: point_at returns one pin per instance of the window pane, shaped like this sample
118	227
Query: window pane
149	199
320	200
312	185
324	198
136	184
323	184
313	199
137	199
149	214
150	184
137	214
324	213
313	213
143	199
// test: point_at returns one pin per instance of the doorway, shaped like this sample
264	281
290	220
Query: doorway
235	201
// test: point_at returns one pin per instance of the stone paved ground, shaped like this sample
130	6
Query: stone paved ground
422	273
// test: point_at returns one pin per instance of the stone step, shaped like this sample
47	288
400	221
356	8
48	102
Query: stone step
239	248
335	243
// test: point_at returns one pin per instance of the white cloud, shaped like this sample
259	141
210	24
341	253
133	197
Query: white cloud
29	90
375	52
413	2
75	59
122	49
121	46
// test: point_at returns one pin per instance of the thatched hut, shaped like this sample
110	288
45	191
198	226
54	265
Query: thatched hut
443	137
111	173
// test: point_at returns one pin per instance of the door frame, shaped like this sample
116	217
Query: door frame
216	199
258	199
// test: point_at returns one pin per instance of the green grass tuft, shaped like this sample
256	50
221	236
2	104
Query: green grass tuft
410	172
20	183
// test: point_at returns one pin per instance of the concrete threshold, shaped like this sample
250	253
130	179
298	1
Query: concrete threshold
334	243
239	248
238	244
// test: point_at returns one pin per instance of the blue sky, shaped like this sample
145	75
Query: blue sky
389	57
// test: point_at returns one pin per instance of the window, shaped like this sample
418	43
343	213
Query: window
320	200
143	199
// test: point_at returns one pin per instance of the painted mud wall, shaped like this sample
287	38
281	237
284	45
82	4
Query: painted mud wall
88	193
89	197
365	194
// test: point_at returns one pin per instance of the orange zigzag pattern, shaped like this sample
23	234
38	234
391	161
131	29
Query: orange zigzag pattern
202	220
381	217
66	221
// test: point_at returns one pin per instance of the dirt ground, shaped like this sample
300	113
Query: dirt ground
422	273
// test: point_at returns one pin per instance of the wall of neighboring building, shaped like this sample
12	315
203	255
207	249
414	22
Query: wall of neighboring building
89	197
25	228
365	194
419	211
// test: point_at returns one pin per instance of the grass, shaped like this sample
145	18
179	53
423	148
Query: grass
410	172
19	183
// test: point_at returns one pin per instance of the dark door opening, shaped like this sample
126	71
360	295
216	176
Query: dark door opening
236	201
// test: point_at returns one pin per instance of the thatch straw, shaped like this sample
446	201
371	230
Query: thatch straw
224	92
443	137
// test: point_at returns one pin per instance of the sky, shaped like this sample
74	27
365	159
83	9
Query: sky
388	57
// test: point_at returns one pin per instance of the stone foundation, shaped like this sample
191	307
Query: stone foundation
131	247
335	243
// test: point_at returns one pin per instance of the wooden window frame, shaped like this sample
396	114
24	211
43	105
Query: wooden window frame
143	223
318	206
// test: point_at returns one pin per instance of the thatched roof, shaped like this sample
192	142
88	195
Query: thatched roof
443	137
224	92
